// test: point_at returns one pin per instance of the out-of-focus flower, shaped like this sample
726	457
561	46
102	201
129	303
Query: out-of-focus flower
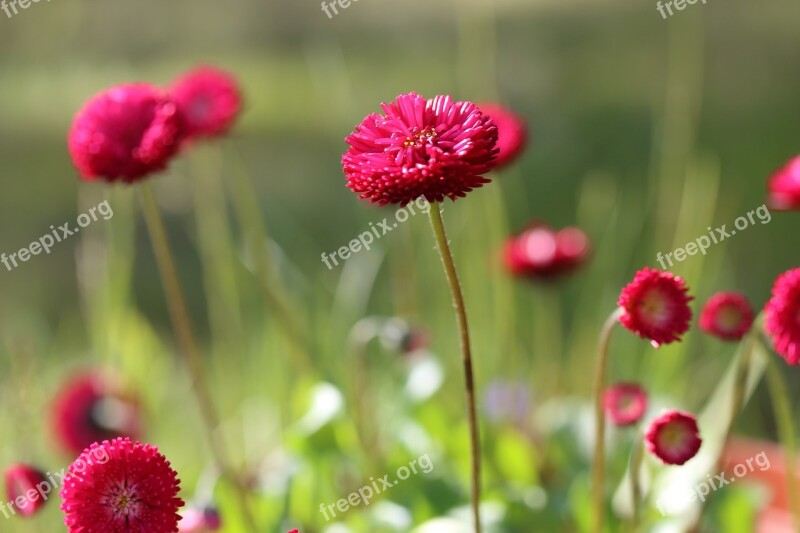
398	335
656	306
673	437
512	134
727	315
507	401
209	101
134	489
783	187
93	408
783	316
26	489
200	519
433	148
542	253
625	403
125	133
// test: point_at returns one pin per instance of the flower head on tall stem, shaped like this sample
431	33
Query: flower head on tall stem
656	306
133	490
673	437
727	315
783	187
20	481
125	133
433	148
209	101
625	403
783	316
512	133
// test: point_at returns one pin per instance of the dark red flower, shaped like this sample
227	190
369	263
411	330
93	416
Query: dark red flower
783	316
124	134
512	134
27	489
135	490
727	315
656	306
433	148
673	437
783	187
542	253
200	520
92	408
625	403
209	101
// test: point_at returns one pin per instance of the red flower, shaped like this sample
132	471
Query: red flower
727	315
133	490
783	316
784	187
625	403
512	134
199	520
540	252
91	408
26	489
124	134
673	437
433	148
656	306
208	100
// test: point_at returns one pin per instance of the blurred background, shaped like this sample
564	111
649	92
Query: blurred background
644	132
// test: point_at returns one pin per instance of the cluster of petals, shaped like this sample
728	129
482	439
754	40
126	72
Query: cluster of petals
727	315
625	403
26	489
673	437
512	133
782	314
540	252
783	187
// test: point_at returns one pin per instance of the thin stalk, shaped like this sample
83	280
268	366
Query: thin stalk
437	224
637	455
598	469
783	419
186	341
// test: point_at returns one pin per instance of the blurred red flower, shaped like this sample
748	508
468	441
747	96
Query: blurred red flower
20	481
783	316
542	253
625	403
209	101
727	315
673	437
783	187
512	134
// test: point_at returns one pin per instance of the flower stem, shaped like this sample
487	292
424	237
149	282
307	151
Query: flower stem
783	418
443	246
598	470
186	341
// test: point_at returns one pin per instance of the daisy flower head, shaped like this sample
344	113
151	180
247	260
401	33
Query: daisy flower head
673	437
783	187
209	101
782	314
512	133
625	403
727	315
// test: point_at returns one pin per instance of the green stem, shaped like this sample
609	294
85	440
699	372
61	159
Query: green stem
637	455
186	341
437	224
598	469
783	418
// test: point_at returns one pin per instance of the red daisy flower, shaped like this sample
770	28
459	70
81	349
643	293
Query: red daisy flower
656	306
784	187
200	520
727	315
209	101
783	316
625	403
673	437
541	253
512	134
135	490
26	489
434	148
124	134
92	408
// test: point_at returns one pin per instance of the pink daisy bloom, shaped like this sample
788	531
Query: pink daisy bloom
200	520
673	437
783	316
783	187
433	148
542	253
92	408
727	315
134	491
625	403
512	134
656	306
22	491
124	134
209	101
